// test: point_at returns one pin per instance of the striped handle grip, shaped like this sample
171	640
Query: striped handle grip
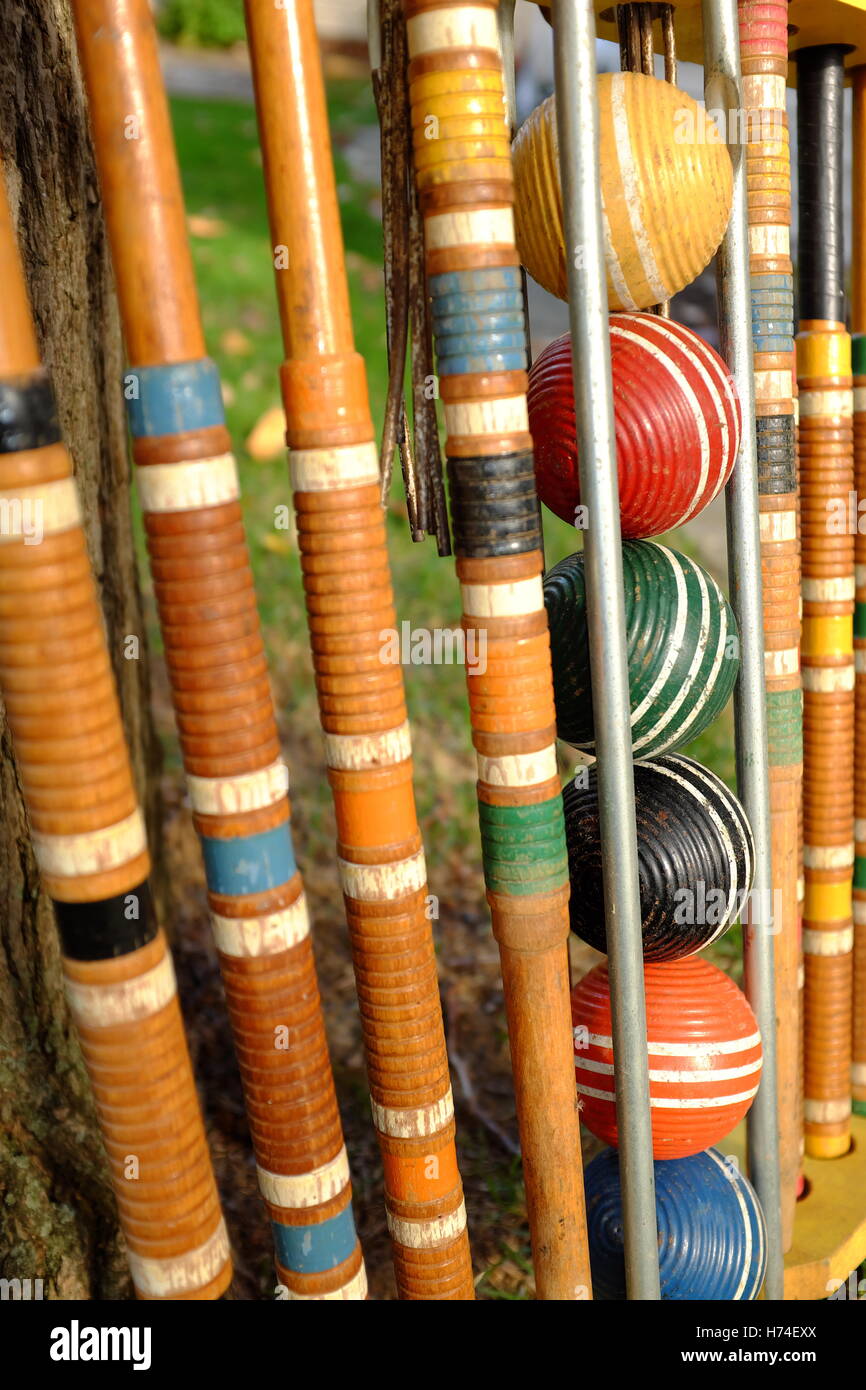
823	357
129	1025
858	1061
858	353
89	837
764	56
827	651
464	179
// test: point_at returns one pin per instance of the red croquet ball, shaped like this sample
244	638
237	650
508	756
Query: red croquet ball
704	1055
676	416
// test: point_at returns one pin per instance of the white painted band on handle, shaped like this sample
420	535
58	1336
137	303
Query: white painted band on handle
824	680
94	851
187	487
414	1124
828	943
122	1001
322	470
460	26
381	882
839	590
476	227
518	769
248	791
774	386
504	415
359	752
770	239
833	405
267	935
828	856
784	662
523	596
182	1273
305	1189
46	509
777	526
427	1235
826	1112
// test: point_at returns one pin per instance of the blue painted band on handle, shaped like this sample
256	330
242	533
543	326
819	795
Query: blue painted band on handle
762	310
496	302
454	344
503	321
314	1249
773	321
173	398
782	313
249	863
768	343
484	278
785	297
773	282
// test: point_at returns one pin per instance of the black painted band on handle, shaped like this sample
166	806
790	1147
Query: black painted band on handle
28	413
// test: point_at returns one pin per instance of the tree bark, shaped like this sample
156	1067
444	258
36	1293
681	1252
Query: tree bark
58	1220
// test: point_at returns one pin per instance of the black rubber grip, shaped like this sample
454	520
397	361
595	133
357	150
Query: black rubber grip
820	81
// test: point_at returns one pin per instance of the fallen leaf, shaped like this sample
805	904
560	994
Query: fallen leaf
235	343
207	227
267	438
278	542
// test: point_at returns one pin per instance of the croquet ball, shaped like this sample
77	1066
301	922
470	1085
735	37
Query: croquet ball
676	417
695	856
704	1054
682	645
665	187
712	1238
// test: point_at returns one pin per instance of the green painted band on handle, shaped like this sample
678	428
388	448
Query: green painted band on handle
784	727
524	847
531	858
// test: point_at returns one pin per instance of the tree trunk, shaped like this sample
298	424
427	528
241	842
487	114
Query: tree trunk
58	1221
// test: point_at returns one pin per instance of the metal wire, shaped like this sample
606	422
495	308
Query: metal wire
635	25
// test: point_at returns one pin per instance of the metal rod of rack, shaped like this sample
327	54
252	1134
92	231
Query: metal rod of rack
722	87
577	123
